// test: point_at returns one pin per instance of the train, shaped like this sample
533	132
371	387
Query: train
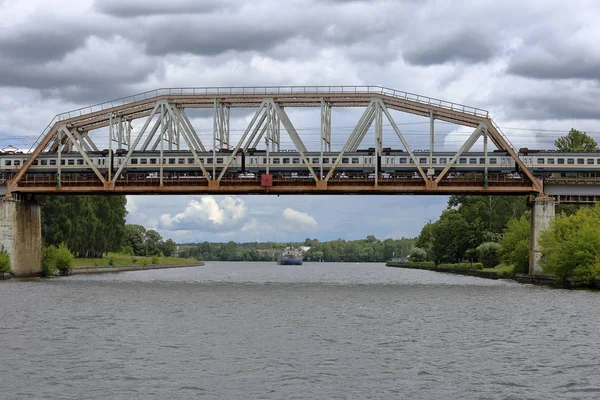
290	163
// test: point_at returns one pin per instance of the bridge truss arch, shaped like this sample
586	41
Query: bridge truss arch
167	128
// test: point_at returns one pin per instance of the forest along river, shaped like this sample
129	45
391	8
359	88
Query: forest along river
317	331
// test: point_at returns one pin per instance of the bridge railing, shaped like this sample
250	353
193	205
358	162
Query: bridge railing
262	90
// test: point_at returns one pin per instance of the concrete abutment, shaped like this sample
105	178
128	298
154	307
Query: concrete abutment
542	215
21	234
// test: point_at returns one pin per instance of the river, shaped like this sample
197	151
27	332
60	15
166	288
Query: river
317	331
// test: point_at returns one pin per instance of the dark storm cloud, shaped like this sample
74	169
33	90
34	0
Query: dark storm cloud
465	46
538	64
129	9
554	106
40	44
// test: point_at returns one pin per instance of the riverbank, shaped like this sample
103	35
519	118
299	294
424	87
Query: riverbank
125	268
457	271
539	280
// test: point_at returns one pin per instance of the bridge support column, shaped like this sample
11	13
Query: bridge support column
21	235
542	216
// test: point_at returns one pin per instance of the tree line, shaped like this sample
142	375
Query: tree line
369	249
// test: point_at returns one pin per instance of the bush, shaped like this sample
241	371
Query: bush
127	250
477	266
111	262
571	247
417	255
48	260
133	260
489	254
410	264
155	260
4	261
64	258
144	261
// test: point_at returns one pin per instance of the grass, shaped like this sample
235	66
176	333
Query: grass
118	260
505	271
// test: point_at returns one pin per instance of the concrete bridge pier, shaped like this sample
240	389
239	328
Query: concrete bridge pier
21	234
542	215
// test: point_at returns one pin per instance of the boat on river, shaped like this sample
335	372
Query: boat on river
290	256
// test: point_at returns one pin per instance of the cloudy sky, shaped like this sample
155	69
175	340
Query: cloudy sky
535	65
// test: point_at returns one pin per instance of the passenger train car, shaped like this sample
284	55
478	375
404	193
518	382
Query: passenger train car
542	163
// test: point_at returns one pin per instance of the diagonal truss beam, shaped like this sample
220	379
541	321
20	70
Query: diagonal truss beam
465	147
75	139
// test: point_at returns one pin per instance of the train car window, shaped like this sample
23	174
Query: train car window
403	161
219	160
344	160
443	160
52	162
71	162
80	161
325	160
172	161
143	161
134	160
35	162
62	162
153	161
209	160
434	160
472	161
285	161
355	160
540	161
295	161
550	160
580	161
44	162
570	161
561	161
482	161
191	161
8	162
462	160
264	160
180	161
315	160
493	160
422	160
276	161
590	160
17	163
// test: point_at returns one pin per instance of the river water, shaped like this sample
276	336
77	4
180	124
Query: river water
317	331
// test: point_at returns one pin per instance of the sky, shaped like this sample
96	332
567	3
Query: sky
534	65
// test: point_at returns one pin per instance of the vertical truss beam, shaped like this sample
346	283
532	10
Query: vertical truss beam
221	117
431	144
465	147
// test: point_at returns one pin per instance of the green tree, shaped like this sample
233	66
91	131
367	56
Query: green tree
515	243
134	237
489	254
168	247
576	141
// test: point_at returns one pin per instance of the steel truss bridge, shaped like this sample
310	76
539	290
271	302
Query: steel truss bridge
166	127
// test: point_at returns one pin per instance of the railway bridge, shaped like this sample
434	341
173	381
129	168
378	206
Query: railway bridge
96	150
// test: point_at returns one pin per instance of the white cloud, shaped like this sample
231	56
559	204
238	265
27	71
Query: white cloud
298	220
208	215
